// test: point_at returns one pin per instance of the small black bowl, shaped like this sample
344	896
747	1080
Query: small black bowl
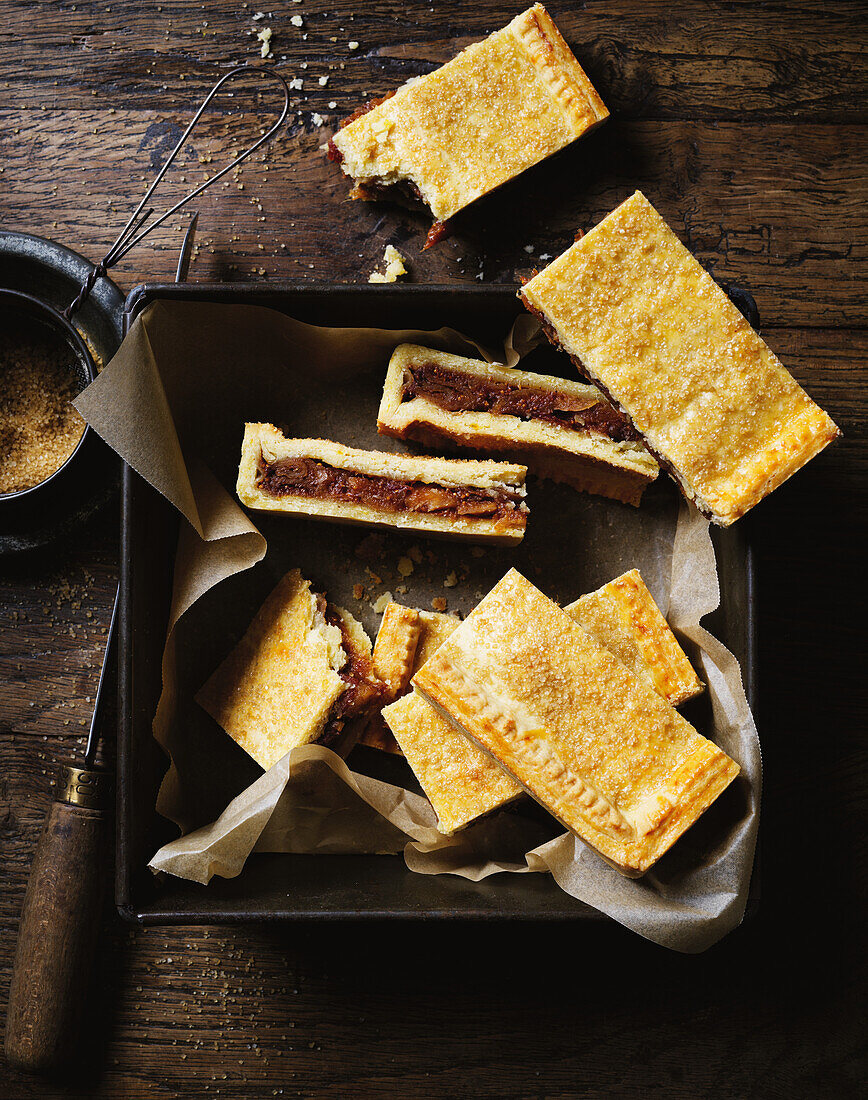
38	279
33	315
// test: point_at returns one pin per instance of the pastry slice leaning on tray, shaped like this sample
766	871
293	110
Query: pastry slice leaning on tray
559	428
593	743
646	323
459	498
302	670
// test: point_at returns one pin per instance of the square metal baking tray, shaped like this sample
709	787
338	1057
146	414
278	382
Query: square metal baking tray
297	887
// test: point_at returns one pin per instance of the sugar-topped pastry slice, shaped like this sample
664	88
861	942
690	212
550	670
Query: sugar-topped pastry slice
623	616
646	323
300	673
499	107
469	498
592	742
560	428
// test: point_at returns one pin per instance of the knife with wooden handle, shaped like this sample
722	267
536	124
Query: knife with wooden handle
62	910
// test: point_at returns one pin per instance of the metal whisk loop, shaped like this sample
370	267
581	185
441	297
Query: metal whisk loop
136	229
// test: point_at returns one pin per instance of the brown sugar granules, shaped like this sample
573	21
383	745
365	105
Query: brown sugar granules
39	428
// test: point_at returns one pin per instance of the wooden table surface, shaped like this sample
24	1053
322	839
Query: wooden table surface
745	124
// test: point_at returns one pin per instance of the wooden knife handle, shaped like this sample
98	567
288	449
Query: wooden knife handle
59	925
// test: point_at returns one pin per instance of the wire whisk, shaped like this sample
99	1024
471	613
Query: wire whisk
137	227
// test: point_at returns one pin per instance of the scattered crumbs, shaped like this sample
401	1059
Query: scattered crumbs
358	591
296	20
544	256
264	37
259	15
402	589
451	580
395	267
439	603
352	45
296	84
375	577
416	554
528	248
382	602
332	107
477	551
405	566
317	119
323	80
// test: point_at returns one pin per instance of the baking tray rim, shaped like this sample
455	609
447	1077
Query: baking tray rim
161	913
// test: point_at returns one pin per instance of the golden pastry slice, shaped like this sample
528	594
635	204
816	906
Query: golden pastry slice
560	429
466	498
623	616
302	670
642	318
406	639
499	107
461	782
596	745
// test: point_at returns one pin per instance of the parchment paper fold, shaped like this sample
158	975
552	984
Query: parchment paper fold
168	403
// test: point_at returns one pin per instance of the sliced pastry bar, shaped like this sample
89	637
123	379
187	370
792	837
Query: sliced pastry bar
315	477
461	782
406	639
559	428
302	670
497	108
592	742
644	321
623	616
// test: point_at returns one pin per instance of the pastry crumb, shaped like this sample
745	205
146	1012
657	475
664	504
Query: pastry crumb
451	580
402	589
382	602
439	603
375	577
296	20
405	566
352	45
395	267
317	119
264	37
358	591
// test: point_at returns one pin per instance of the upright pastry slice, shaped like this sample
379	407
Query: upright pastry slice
302	670
561	429
640	316
461	782
314	477
499	107
596	745
623	616
405	640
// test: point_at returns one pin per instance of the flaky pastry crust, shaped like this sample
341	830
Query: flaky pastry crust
277	687
264	442
588	461
596	745
650	326
623	616
497	108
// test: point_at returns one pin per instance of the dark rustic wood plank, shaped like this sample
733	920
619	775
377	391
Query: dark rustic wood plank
737	60
744	122
777	208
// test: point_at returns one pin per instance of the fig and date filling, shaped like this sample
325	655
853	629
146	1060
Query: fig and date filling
467	393
307	477
361	692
